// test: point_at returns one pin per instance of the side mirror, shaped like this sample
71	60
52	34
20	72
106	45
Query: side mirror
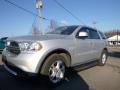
82	34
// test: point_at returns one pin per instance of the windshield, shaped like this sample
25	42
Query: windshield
65	30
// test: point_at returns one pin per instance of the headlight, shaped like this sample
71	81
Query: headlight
35	46
30	46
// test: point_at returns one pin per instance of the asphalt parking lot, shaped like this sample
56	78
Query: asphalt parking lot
94	78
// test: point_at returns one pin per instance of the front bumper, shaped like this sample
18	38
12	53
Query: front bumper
26	61
15	70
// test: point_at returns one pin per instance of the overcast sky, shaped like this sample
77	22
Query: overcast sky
14	22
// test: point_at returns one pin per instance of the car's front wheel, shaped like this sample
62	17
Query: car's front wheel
54	68
56	71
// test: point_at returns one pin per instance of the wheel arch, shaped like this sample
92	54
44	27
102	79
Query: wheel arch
57	51
105	49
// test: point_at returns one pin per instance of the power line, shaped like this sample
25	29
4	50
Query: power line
28	11
78	19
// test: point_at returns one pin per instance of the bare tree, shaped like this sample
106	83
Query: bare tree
35	30
112	33
52	25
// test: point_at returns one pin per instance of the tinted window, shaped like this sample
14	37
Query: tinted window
94	34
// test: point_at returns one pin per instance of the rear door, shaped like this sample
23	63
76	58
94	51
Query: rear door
97	43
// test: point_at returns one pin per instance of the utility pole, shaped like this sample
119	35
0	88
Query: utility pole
39	9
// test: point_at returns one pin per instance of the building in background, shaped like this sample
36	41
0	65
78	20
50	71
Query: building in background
114	40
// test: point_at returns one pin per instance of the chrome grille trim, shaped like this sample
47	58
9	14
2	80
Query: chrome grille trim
13	47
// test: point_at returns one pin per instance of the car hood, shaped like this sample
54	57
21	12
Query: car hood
36	37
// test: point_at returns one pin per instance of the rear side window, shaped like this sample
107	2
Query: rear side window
94	34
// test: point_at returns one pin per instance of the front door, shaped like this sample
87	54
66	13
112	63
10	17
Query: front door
83	48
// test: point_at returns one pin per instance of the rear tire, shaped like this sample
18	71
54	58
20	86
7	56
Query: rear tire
103	58
54	69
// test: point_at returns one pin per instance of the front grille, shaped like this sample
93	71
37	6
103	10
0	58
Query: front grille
13	47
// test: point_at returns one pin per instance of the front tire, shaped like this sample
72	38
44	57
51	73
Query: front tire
54	68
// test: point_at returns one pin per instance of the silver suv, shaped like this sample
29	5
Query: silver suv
52	53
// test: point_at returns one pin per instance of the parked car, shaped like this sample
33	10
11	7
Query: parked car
52	53
2	43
